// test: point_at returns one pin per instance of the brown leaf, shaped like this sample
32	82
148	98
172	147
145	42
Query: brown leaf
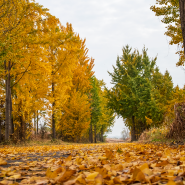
109	154
101	171
81	179
65	176
116	180
69	182
59	170
92	176
98	180
164	163
2	162
51	174
138	175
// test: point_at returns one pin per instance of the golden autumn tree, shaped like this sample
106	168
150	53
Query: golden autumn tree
10	20
102	117
76	112
44	70
178	97
63	50
107	118
170	11
19	47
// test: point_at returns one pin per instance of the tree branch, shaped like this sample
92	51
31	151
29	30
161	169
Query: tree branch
22	75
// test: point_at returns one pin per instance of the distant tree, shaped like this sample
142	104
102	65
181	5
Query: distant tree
163	92
125	133
131	96
107	117
95	108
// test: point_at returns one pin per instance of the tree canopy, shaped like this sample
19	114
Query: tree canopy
135	95
170	10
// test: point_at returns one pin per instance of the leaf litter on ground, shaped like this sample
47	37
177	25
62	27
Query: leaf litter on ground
98	164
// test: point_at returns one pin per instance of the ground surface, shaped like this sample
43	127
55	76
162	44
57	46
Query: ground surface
111	163
112	140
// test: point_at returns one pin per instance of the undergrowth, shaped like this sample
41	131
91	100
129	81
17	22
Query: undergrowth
155	134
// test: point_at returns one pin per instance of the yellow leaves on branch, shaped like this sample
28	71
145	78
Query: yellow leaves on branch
74	123
171	17
148	121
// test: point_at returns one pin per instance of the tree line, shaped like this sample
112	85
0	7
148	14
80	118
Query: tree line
45	72
141	94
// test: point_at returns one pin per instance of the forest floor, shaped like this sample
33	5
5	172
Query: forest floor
105	163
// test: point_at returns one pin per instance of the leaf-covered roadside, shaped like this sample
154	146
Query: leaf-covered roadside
93	164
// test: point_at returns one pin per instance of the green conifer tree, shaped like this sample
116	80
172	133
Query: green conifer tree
131	96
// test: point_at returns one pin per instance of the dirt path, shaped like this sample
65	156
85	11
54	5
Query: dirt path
108	163
112	140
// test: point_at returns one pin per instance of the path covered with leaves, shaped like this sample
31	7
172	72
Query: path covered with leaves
122	163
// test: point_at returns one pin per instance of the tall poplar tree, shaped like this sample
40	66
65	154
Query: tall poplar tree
95	109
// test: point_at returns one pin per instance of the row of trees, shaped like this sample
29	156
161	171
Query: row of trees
142	95
45	72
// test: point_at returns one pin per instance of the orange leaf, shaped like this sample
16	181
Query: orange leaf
65	175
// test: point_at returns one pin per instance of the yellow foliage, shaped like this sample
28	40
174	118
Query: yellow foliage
76	113
148	121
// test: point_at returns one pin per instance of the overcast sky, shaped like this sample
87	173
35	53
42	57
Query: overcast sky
108	25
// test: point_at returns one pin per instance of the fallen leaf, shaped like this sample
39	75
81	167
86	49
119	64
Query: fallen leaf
2	162
65	176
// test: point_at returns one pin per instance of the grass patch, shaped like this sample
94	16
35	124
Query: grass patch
155	134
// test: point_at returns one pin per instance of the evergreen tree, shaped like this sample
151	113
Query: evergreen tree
131	96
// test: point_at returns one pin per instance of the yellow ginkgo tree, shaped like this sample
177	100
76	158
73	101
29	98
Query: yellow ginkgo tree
76	112
63	52
20	47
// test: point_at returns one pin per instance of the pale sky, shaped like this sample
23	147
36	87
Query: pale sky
108	25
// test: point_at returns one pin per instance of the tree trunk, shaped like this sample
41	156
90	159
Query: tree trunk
53	113
21	130
98	137
101	134
90	133
37	122
7	106
12	125
182	19
95	133
133	130
0	128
